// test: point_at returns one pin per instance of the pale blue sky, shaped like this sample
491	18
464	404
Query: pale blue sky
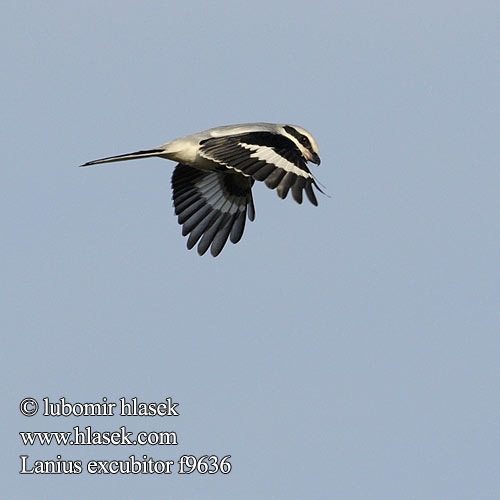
346	351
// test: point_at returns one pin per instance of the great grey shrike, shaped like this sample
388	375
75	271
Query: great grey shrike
212	183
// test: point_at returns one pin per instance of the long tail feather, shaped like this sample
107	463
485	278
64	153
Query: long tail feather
128	156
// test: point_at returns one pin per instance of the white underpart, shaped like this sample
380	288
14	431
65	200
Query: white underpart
266	153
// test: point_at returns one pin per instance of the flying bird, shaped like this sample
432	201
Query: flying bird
212	182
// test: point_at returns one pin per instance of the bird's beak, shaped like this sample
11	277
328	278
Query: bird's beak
315	159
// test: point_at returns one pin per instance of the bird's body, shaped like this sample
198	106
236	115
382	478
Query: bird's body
212	183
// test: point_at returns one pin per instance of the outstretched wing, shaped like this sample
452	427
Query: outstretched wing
264	156
211	206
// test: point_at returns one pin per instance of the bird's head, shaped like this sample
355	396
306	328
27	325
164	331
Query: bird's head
304	141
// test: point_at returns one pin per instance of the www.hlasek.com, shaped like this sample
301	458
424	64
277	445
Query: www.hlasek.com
86	436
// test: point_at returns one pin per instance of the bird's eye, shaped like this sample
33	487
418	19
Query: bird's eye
305	141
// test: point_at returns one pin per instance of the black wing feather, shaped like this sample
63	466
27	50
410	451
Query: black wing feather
211	206
264	156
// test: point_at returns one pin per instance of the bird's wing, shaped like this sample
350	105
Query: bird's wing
264	156
212	206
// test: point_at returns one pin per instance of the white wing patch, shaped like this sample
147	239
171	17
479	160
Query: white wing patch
268	155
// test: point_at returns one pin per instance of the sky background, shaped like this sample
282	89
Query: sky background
347	351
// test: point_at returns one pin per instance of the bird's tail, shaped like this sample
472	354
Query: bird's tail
128	156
